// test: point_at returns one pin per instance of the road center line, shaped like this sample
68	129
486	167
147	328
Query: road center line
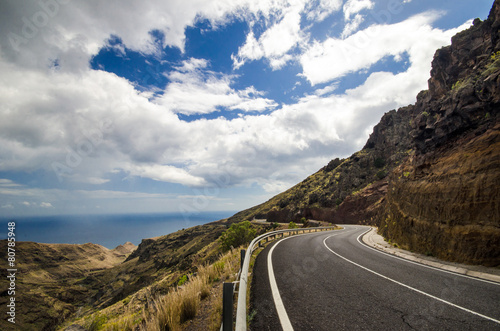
409	287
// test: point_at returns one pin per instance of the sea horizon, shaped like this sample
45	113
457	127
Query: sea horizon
108	230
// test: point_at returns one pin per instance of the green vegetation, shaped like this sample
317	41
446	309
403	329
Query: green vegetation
237	235
456	85
495	56
98	322
292	225
182	280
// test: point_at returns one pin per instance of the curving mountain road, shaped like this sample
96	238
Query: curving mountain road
331	281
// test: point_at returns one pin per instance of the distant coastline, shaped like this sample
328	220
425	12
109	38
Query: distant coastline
106	230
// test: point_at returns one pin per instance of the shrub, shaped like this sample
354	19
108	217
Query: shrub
182	280
332	164
237	235
379	162
292	225
495	56
97	322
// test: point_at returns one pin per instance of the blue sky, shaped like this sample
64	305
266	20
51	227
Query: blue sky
192	106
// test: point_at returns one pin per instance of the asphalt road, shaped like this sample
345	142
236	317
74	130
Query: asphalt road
331	281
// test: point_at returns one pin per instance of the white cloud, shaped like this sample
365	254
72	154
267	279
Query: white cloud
8	183
166	173
46	205
334	58
276	41
324	9
352	7
194	90
352	25
326	90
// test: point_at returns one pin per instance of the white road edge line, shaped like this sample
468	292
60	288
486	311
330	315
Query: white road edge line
280	307
409	287
421	264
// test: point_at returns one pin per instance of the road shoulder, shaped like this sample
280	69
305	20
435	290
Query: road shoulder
373	239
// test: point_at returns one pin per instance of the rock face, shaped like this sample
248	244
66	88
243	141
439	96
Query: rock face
429	175
445	199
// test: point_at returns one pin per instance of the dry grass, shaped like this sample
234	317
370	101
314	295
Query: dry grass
178	309
181	304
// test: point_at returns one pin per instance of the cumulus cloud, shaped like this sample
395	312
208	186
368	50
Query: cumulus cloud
276	41
361	50
194	90
283	31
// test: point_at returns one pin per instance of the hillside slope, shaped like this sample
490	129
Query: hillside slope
57	282
47	279
429	173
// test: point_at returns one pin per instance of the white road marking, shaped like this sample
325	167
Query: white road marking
280	308
409	287
423	265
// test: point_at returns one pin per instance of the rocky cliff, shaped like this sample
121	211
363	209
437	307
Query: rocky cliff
444	199
429	175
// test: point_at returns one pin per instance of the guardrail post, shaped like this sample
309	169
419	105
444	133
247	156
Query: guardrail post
242	258
227	307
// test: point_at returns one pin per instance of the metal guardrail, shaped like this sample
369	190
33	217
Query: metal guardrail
241	311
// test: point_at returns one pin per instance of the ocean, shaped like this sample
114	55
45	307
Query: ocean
106	230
